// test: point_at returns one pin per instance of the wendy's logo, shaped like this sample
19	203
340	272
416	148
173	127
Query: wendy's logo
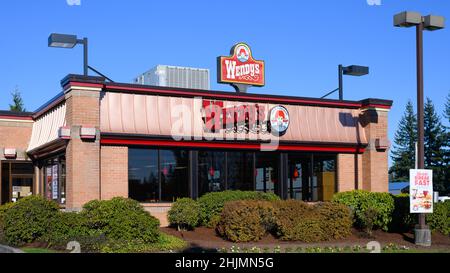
243	53
279	119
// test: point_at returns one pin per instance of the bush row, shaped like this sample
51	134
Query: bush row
100	224
291	220
369	210
187	213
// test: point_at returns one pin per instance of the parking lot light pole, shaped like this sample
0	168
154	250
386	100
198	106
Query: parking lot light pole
422	234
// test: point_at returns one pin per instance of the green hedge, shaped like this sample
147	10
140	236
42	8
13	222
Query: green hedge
439	220
121	219
184	213
211	204
402	220
291	220
359	201
28	220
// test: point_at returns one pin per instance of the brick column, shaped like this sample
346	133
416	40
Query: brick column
82	156
375	157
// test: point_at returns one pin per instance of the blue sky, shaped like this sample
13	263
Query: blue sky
302	42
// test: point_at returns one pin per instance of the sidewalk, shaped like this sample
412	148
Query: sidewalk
7	249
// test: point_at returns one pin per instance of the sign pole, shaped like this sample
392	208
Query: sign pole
422	232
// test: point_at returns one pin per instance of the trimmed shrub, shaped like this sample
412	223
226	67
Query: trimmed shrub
3	209
359	201
28	220
121	219
291	220
211	204
337	220
184	214
245	221
402	220
439	220
298	221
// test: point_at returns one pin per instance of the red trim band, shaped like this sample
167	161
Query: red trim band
221	145
376	106
16	117
82	84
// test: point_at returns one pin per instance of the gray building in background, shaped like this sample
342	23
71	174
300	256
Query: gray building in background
176	76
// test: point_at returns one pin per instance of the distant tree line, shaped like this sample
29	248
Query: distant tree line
437	145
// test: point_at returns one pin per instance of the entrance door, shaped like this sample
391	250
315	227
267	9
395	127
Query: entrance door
16	181
299	177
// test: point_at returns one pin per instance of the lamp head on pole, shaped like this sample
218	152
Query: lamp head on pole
411	18
62	40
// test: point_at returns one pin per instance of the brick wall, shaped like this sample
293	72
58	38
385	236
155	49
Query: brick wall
347	175
114	171
15	134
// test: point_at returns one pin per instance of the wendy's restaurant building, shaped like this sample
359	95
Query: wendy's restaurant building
99	140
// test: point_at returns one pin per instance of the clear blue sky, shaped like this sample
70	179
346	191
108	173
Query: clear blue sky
302	42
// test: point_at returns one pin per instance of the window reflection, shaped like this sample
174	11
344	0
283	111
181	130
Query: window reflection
174	174
240	171
266	172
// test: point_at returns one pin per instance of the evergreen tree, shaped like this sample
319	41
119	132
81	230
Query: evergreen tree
18	105
434	135
447	109
447	146
403	150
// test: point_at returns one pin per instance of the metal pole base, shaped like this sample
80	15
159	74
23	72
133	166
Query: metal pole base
422	236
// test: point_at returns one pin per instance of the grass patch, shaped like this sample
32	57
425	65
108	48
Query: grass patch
165	243
38	250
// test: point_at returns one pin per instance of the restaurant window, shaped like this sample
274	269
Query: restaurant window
55	179
211	172
324	177
240	171
143	175
157	175
266	172
16	181
174	174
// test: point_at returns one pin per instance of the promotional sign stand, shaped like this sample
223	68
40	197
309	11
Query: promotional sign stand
421	202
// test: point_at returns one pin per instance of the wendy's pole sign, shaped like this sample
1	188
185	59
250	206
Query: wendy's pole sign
240	69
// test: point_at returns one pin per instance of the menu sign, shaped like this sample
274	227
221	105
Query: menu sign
55	182
421	191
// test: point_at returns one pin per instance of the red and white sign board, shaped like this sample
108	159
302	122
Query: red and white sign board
421	191
240	67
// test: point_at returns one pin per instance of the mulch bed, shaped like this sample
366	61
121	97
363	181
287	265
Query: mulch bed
205	239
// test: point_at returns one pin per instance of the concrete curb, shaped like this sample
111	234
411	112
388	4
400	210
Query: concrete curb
7	249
